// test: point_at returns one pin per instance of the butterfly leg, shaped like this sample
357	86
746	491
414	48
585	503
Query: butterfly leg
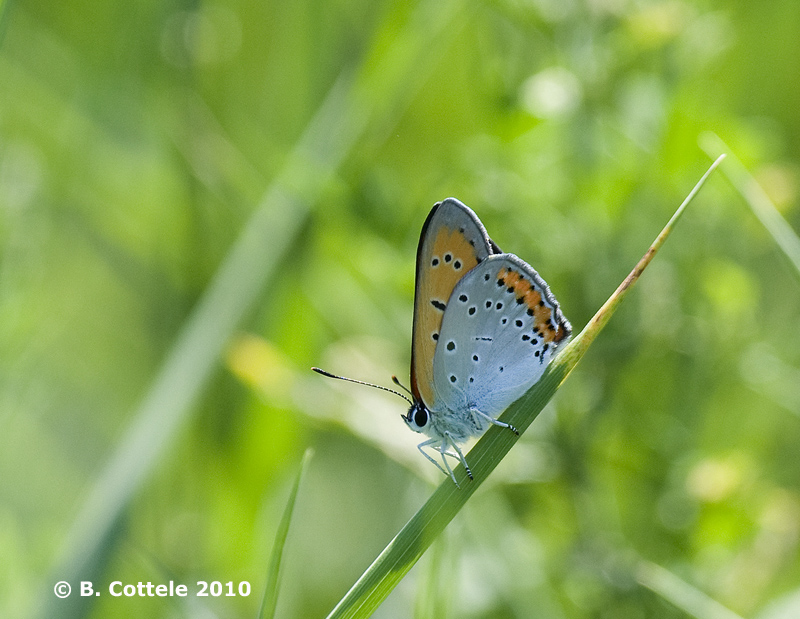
496	422
429	443
447	466
441	448
460	457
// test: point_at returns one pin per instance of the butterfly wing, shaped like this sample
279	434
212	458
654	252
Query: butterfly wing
500	330
452	242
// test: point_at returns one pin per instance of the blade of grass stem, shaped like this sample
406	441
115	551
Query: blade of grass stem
426	525
237	283
757	199
580	343
183	374
680	593
270	599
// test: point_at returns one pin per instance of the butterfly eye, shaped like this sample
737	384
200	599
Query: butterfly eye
421	417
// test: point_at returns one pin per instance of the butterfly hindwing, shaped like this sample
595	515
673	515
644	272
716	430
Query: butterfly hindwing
453	241
499	331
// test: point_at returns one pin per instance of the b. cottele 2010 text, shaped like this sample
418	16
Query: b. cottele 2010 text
148	589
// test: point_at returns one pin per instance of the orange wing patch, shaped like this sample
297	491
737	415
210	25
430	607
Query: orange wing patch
542	314
448	257
452	256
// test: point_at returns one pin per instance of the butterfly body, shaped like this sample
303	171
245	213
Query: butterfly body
485	327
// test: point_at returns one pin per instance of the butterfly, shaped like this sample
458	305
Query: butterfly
485	328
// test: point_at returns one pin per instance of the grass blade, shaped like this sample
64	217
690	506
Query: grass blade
416	536
680	593
757	199
270	599
239	280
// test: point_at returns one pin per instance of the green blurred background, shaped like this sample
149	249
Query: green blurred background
200	200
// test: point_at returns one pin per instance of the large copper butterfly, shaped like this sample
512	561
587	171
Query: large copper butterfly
485	327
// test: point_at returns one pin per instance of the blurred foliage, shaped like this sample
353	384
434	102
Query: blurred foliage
138	141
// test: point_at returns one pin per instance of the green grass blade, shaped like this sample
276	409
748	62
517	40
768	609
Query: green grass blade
242	276
270	599
177	386
680	593
757	199
580	343
447	500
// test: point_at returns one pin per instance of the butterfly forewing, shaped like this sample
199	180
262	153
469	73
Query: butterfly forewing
453	241
501	328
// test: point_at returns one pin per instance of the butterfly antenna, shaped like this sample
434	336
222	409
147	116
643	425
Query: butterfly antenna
361	382
401	385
